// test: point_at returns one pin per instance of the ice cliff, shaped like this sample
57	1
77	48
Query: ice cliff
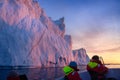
80	56
29	38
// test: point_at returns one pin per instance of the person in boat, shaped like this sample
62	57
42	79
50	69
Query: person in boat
96	69
71	71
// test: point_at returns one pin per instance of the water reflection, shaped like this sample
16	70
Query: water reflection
44	73
50	73
35	73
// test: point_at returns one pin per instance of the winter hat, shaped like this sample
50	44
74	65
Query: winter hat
73	64
95	57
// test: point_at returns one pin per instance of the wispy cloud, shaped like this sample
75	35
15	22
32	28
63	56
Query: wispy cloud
93	24
117	49
111	50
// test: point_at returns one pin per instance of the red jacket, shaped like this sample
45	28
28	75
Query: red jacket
98	67
74	76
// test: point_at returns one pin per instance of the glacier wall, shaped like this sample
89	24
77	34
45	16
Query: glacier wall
29	38
80	56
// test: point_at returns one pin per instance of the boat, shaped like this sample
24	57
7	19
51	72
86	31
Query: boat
113	74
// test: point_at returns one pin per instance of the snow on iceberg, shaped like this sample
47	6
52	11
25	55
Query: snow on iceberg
80	56
29	38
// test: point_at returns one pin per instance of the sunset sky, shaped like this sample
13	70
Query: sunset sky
93	25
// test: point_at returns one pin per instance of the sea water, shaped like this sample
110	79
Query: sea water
50	73
33	73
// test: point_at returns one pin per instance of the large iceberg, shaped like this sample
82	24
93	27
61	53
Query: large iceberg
28	37
80	56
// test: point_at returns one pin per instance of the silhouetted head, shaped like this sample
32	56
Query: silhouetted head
95	57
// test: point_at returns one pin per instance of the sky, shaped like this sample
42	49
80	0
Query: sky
93	25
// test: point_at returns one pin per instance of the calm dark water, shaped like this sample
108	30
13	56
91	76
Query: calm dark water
50	73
